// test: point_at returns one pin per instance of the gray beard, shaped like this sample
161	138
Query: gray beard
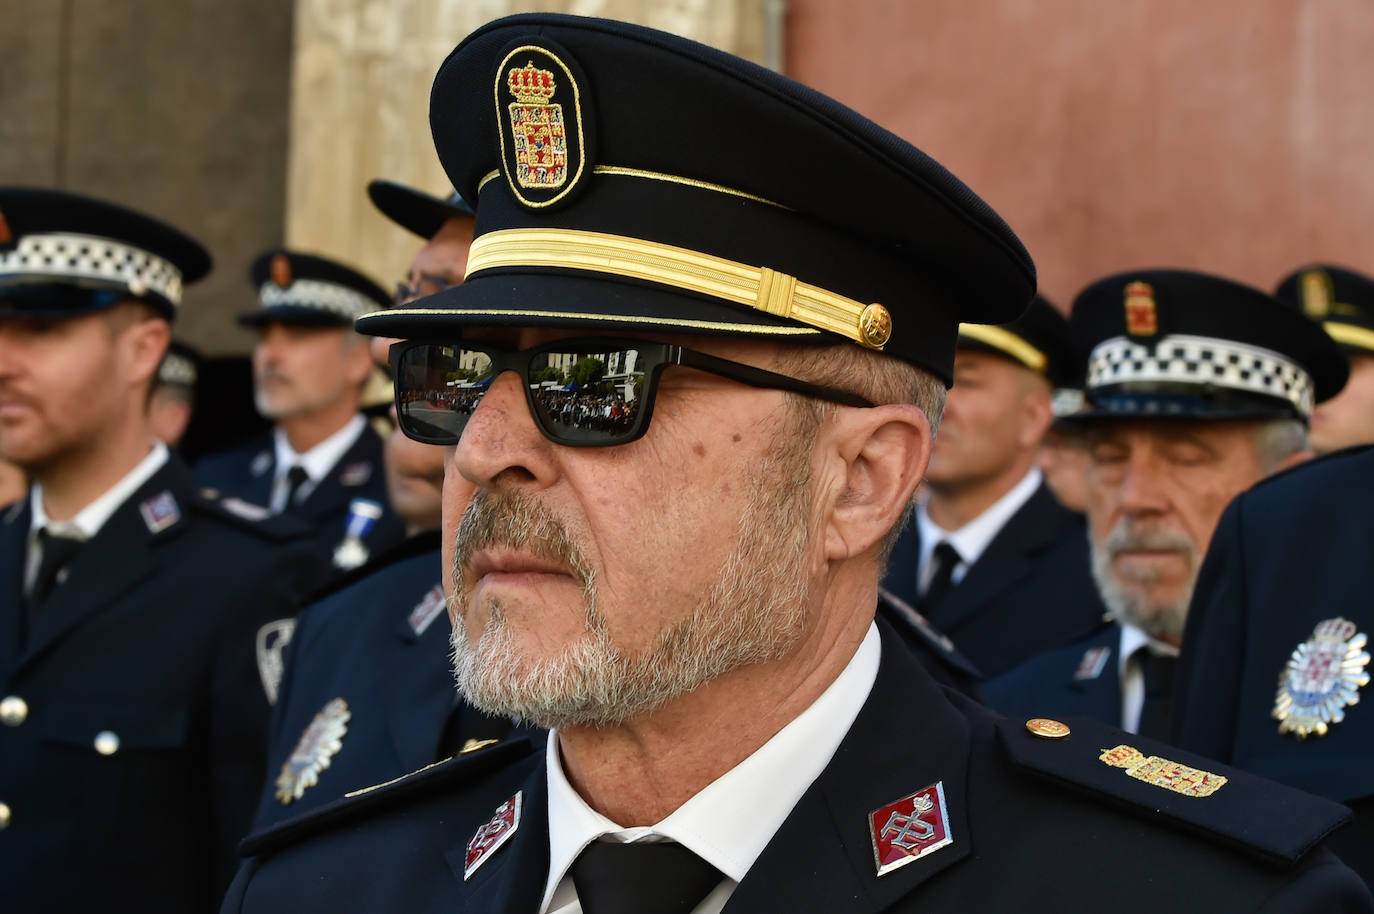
1130	604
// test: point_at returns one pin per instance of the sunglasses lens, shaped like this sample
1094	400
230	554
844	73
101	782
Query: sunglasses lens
438	388
589	397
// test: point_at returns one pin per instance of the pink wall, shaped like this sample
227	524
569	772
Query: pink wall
1234	136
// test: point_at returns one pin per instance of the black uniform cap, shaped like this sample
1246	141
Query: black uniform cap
309	291
64	254
180	365
414	210
627	179
1040	340
1340	299
1179	344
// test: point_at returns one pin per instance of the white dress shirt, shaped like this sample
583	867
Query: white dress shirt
88	521
1132	676
317	462
972	539
731	821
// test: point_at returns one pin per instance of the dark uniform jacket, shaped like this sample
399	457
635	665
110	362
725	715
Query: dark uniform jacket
134	768
1033	825
376	650
1029	591
1295	550
247	473
1081	679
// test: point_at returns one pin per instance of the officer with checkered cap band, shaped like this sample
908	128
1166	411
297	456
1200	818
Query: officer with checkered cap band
174	395
389	615
1342	301
132	730
1197	388
688	388
321	461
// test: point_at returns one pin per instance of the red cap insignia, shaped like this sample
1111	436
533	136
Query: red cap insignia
909	828
6	236
1142	319
490	837
281	270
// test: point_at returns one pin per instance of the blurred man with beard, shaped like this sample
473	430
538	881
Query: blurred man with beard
688	596
1197	388
389	617
321	462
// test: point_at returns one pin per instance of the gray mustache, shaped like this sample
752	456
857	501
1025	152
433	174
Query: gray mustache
517	521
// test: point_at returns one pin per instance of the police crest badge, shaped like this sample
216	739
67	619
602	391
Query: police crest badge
6	236
541	124
1314	287
1142	314
316	748
280	270
1323	677
1161	772
910	828
490	837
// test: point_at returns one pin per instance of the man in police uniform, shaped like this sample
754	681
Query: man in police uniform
992	559
134	714
1276	660
368	692
1343	302
321	461
676	565
1198	387
174	394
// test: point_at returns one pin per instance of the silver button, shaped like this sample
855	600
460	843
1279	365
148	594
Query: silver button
107	742
4	816
13	710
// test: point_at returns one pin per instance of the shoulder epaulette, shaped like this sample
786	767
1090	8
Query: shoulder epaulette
417	545
909	619
248	516
1273	822
362	803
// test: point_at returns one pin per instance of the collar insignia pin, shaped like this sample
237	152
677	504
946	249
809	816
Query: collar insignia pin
1092	664
490	837
317	746
355	474
160	512
909	828
427	610
1323	678
261	463
1161	772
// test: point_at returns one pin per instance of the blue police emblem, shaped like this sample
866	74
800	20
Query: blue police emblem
1322	678
317	746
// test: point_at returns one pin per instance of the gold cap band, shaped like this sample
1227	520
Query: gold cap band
1006	342
1350	334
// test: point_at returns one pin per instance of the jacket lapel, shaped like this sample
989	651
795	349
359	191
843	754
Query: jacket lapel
511	880
116	559
14	529
418	695
902	570
907	737
1098	696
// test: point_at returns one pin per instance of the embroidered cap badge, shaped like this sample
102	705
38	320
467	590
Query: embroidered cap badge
541	124
1142	315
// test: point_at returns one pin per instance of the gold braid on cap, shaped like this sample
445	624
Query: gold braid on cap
1006	342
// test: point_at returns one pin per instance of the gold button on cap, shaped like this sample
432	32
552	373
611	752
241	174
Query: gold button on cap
4	816
13	710
107	742
1045	728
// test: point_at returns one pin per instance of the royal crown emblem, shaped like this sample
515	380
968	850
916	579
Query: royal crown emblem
1142	315
317	746
1161	772
1323	678
1314	287
540	139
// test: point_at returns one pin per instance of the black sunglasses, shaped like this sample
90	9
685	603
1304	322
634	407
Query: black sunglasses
427	284
582	392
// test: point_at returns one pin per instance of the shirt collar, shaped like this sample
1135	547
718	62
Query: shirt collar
731	821
1133	639
88	521
972	539
320	459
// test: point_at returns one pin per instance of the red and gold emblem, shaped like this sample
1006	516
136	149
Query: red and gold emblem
6	236
1323	677
908	829
489	838
1314	287
540	138
1161	772
1142	316
281	270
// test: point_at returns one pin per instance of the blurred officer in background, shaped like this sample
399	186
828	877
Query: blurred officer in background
991	559
137	626
1197	388
174	394
1342	301
321	462
687	594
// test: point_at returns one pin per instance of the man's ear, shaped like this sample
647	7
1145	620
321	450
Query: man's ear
146	342
877	458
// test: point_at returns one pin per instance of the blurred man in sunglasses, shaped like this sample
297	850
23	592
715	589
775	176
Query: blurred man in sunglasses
321	462
769	288
389	617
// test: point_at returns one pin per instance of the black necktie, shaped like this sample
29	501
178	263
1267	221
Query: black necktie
945	558
55	553
642	878
295	478
1159	693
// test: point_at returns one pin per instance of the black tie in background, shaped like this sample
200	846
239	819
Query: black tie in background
642	878
1159	693
55	552
295	478
946	559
